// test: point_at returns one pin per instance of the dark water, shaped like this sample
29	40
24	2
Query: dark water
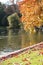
9	41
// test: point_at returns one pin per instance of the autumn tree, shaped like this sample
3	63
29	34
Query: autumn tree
32	13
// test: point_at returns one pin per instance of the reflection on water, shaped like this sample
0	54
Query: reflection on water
9	41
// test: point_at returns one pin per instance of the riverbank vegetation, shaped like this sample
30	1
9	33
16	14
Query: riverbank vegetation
30	13
9	12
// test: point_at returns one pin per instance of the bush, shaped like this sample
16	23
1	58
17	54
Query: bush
14	21
5	21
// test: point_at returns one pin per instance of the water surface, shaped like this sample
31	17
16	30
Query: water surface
11	41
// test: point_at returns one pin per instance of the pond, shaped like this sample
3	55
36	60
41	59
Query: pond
11	41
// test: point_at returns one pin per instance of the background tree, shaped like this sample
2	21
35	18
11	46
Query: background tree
2	13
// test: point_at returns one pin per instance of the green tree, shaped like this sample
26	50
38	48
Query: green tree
2	13
14	21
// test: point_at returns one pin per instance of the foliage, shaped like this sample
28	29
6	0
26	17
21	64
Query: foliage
5	21
14	21
3	16
32	13
1	7
2	13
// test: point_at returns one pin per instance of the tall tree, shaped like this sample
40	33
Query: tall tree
2	13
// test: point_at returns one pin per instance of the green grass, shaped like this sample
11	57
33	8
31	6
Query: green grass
25	58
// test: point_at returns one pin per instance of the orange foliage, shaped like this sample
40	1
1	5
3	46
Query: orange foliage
31	11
